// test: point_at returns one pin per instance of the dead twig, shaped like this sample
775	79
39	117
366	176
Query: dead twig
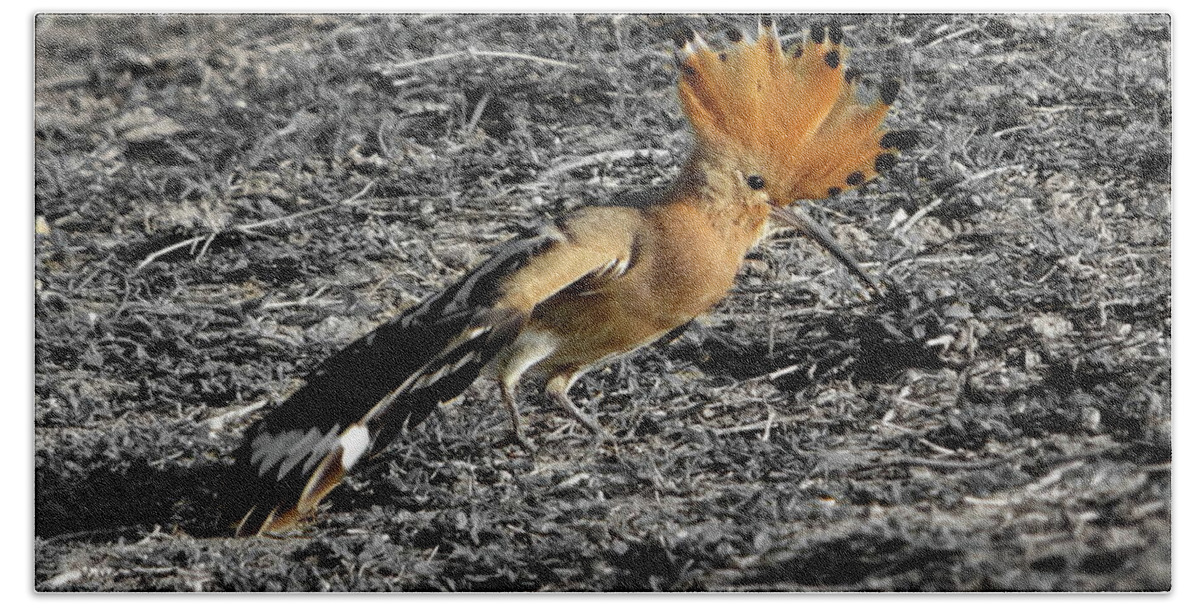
923	211
960	465
599	158
942	465
479	108
218	422
207	239
404	65
952	36
761	426
766	434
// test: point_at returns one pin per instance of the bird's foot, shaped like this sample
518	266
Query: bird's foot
518	437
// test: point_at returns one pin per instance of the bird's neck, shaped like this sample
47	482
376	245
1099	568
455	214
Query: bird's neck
709	184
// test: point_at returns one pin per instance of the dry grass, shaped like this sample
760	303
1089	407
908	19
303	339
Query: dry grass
1002	422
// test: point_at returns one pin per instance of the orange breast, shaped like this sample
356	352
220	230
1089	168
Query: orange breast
685	263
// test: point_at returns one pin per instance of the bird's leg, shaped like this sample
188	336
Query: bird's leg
557	389
510	401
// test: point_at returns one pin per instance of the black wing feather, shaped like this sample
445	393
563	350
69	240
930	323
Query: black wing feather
390	379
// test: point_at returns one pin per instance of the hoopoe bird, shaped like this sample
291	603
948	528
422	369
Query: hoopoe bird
771	125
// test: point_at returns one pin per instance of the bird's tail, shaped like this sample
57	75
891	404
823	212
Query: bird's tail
798	112
359	399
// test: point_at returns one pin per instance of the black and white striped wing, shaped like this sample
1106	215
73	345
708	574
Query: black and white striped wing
361	398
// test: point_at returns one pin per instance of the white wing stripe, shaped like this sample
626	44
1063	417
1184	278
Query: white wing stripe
355	442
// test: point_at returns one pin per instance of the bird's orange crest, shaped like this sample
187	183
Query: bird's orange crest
796	112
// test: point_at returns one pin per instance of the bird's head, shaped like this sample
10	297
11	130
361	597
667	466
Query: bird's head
776	125
789	123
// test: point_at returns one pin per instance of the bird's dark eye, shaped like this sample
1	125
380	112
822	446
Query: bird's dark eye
756	182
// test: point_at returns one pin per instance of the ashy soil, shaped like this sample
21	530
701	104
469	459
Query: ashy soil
224	200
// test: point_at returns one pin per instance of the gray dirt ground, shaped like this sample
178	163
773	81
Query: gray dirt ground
1003	422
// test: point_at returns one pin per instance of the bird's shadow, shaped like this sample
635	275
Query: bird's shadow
107	503
873	344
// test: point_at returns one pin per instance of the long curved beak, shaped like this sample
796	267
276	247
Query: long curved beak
800	220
